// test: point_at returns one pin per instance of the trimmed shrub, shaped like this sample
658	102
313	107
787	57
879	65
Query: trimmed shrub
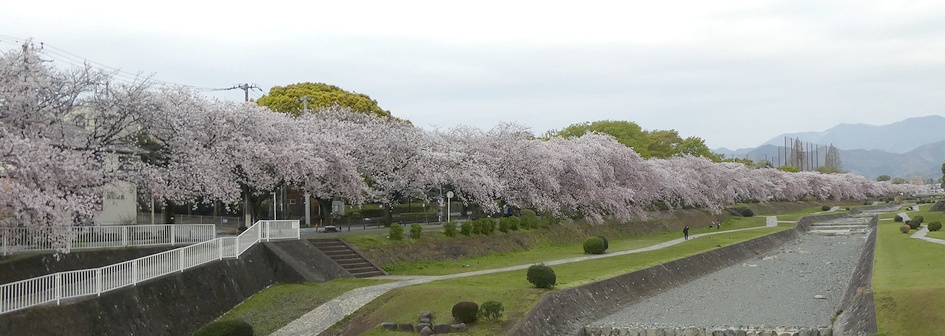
606	243
503	225
541	276
918	219
748	213
905	228
528	213
226	328
913	224
825	208
935	226
511	223
449	229
396	232
486	225
897	219
491	310
594	245
467	228
465	311
416	230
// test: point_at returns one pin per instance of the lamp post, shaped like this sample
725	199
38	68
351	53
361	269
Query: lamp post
449	195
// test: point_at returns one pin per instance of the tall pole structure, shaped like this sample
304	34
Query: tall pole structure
308	195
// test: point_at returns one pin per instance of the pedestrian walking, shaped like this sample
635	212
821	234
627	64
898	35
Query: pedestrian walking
718	225
685	232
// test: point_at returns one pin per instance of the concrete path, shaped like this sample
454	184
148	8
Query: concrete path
921	235
326	315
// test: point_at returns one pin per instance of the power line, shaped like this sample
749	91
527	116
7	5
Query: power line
69	58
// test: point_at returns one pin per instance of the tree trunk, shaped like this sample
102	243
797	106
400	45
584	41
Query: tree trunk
388	214
168	213
324	209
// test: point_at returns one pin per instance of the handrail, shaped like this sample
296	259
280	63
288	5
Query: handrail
18	240
72	284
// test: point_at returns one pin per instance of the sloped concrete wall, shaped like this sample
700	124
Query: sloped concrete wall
564	312
859	312
171	305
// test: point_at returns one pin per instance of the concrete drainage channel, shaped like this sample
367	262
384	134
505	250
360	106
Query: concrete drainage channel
788	283
704	331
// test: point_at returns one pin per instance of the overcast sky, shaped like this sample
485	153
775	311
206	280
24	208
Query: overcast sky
735	73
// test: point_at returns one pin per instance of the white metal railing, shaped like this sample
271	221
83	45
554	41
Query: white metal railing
65	285
16	240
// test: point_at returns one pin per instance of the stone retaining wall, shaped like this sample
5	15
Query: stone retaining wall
564	312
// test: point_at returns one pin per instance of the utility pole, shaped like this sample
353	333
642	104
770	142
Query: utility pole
308	195
246	215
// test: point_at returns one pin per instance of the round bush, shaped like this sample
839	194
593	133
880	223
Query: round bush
606	244
905	228
226	328
913	224
918	219
541	276
825	208
449	229
935	226
503	225
396	232
594	245
416	230
466	228
897	219
491	310
748	213
465	311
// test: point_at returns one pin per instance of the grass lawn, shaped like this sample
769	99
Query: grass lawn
813	210
515	293
280	304
547	253
907	281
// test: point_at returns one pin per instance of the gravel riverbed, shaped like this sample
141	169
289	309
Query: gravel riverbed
800	284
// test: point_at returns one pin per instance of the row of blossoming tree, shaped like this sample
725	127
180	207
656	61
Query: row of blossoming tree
66	133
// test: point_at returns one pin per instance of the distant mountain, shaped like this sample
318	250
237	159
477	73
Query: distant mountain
899	137
924	161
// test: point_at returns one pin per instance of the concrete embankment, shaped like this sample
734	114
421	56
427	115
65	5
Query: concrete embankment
566	311
172	305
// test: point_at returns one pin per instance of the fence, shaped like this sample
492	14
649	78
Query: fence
67	285
14	240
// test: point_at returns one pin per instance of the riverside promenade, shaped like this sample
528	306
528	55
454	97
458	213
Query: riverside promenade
326	315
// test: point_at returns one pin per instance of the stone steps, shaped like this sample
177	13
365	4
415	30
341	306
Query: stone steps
347	258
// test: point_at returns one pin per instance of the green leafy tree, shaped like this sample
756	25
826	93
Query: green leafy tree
882	178
657	143
290	99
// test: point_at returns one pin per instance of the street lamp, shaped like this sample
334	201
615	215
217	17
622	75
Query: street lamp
449	195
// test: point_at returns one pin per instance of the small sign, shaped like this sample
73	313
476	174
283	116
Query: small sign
338	208
449	194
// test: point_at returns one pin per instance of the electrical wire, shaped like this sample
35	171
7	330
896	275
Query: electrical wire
71	59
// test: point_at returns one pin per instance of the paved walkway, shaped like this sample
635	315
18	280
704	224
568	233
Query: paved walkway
326	315
924	231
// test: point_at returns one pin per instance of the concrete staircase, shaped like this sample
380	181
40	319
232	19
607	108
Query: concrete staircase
841	226
348	258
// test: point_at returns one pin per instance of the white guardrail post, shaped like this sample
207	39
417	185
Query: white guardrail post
173	234
124	236
58	287
98	282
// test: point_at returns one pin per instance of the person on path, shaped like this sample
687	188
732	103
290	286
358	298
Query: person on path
718	225
685	232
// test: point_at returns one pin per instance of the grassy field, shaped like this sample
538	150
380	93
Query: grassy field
276	306
813	210
512	289
547	253
908	280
